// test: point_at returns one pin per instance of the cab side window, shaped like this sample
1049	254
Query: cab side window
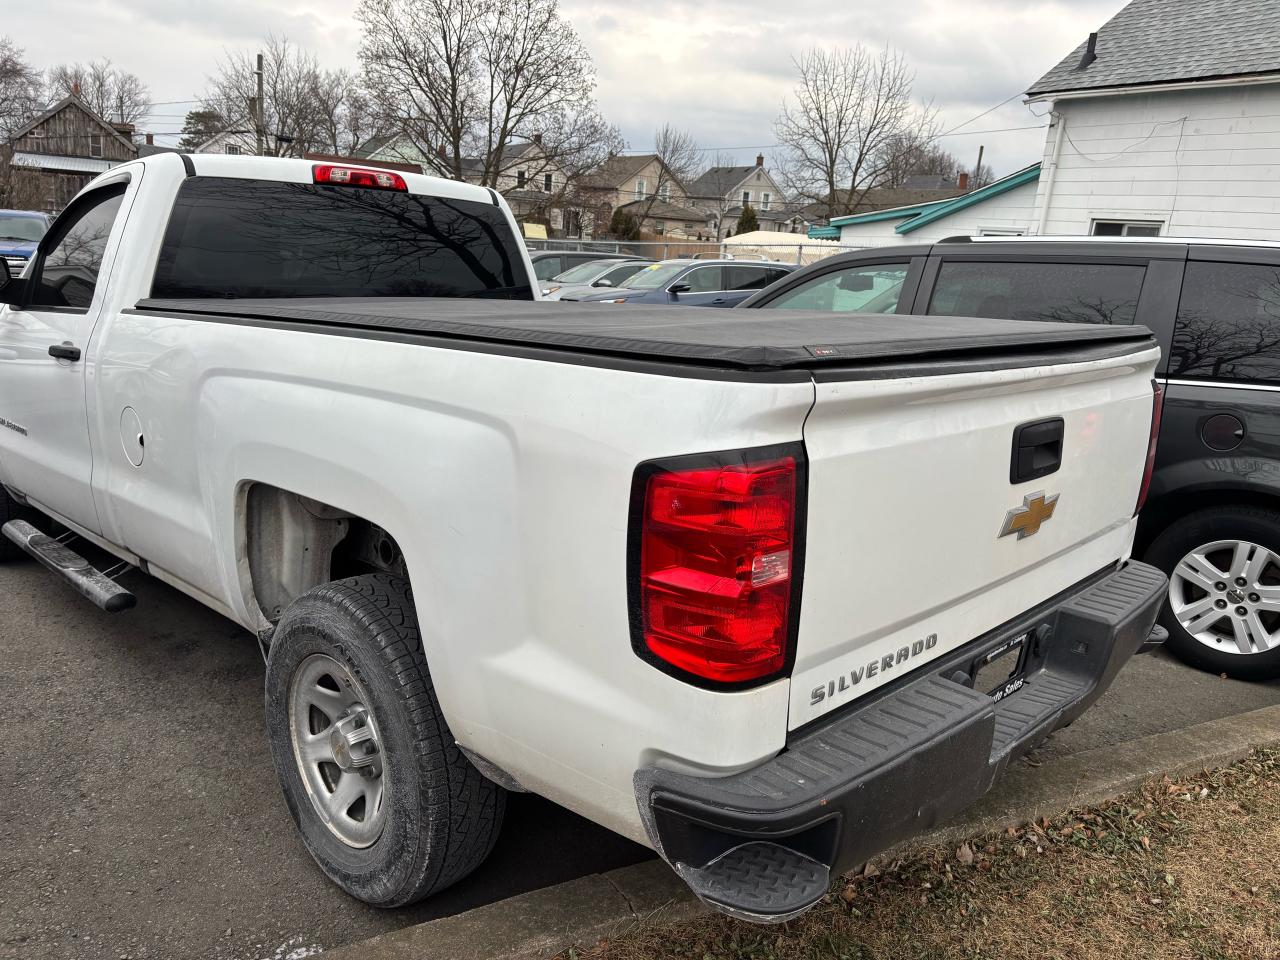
69	273
1228	323
1061	292
867	288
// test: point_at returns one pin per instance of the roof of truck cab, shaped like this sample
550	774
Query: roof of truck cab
704	336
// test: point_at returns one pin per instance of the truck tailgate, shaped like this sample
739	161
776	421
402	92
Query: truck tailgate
910	487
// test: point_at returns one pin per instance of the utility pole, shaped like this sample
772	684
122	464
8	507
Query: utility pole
259	122
978	169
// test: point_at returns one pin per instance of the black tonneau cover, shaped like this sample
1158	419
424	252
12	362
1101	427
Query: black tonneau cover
706	336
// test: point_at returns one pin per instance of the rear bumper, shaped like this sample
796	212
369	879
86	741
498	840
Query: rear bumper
764	844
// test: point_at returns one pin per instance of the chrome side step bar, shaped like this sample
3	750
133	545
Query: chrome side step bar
88	581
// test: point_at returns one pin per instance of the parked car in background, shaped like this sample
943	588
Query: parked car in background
589	277
20	232
551	263
1212	521
694	283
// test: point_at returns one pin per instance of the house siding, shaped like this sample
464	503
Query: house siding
1206	163
1009	211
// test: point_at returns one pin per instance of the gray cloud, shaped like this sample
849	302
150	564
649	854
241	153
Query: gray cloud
720	68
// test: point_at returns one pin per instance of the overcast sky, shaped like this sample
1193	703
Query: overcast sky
719	68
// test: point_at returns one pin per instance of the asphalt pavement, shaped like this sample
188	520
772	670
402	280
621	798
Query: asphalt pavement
140	816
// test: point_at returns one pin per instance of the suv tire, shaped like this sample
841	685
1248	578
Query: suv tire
1214	534
386	802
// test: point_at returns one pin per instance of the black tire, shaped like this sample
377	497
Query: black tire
442	816
1252	524
11	509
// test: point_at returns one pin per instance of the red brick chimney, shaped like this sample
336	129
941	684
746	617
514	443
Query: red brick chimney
75	88
537	138
151	139
441	152
964	182
759	159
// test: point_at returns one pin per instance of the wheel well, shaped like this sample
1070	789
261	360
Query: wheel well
292	543
1161	513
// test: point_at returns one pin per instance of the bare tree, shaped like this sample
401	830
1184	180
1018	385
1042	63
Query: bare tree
470	79
108	91
679	157
21	88
345	116
850	120
292	109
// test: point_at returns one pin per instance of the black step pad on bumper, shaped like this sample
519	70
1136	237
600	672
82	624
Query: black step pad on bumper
756	844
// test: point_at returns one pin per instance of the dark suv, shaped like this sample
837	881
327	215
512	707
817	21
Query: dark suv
1212	520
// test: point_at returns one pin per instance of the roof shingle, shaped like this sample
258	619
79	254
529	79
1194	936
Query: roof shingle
1162	41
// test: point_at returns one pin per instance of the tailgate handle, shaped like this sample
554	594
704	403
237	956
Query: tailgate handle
1037	450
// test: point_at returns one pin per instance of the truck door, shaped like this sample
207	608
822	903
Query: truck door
44	442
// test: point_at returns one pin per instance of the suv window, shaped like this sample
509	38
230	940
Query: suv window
703	280
1228	324
866	288
69	274
544	268
748	278
1065	292
229	237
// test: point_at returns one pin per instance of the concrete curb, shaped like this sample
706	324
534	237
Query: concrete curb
545	922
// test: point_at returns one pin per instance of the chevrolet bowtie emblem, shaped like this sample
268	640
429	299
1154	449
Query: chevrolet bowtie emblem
1027	519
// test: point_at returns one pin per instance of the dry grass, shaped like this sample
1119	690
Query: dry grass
1186	869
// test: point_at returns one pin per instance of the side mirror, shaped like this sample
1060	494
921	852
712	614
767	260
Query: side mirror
856	282
604	283
679	288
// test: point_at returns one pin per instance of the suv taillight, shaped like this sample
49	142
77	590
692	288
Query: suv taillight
715	563
1157	411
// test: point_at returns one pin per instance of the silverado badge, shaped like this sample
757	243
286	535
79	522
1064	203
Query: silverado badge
1027	519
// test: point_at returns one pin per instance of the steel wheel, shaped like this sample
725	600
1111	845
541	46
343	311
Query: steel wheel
1226	594
337	749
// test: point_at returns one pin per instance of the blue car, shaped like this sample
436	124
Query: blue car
20	233
693	283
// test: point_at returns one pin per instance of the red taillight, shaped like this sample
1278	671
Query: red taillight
335	176
717	563
1157	410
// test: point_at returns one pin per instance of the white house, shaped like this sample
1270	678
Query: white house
1166	122
235	142
1001	208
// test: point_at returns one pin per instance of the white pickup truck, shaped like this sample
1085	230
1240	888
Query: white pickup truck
765	591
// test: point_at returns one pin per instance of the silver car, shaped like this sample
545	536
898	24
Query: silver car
592	277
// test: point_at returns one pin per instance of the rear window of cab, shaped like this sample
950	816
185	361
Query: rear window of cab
231	237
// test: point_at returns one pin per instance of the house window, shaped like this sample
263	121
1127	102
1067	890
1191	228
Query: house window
746	198
519	179
232	150
764	200
664	192
659	228
546	182
641	186
1127	228
95	145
